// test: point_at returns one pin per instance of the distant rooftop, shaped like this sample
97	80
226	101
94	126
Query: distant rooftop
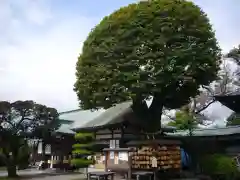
230	130
79	116
75	118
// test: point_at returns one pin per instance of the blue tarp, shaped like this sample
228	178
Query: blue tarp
184	158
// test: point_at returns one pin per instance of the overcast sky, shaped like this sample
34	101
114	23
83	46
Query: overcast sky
40	41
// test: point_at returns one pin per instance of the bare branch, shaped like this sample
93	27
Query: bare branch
205	107
209	90
168	116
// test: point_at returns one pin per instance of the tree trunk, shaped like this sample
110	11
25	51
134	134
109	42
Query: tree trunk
149	117
155	114
43	151
12	170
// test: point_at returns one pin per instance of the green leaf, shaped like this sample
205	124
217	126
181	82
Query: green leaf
83	136
163	37
163	49
82	149
184	121
81	152
81	162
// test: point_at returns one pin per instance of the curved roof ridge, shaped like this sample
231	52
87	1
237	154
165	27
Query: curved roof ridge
70	111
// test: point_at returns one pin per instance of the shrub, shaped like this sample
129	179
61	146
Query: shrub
219	165
82	150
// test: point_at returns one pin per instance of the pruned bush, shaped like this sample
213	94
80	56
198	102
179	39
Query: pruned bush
82	150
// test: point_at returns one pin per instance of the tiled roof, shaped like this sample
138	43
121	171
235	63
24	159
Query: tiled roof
114	115
65	129
210	132
79	117
110	116
87	119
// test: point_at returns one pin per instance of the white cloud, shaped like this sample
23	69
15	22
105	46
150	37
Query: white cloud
40	66
39	48
224	16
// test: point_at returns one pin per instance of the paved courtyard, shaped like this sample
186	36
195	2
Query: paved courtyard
61	177
49	174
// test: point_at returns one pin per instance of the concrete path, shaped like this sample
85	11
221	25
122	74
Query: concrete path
49	174
23	172
61	177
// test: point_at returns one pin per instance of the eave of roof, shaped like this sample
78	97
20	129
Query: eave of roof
224	131
71	111
79	117
111	116
65	128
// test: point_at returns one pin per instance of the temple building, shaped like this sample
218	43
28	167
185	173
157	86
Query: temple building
112	128
224	140
117	127
60	146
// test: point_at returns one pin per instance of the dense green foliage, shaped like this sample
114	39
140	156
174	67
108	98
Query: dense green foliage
163	49
184	121
217	164
82	150
20	121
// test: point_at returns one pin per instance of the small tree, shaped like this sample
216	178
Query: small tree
161	49
184	121
19	121
82	150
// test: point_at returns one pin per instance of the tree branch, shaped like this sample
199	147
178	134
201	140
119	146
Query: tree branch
172	118
205	107
208	89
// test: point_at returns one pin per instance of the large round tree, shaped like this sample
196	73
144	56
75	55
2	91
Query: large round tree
164	49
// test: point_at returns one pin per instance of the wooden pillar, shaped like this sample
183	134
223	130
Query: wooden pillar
106	159
129	176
